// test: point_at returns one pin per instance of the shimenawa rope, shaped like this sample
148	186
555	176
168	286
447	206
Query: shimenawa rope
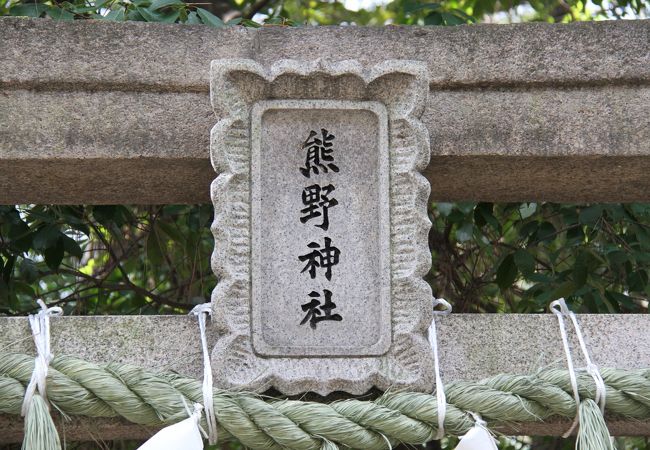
81	388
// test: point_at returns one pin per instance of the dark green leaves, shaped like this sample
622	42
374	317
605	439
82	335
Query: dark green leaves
507	272
520	256
525	262
159	11
160	4
28	9
46	237
209	19
54	254
436	14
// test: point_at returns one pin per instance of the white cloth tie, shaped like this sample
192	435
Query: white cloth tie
478	437
441	398
560	309
40	325
202	312
184	435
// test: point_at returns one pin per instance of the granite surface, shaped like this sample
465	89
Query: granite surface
120	113
320	229
364	272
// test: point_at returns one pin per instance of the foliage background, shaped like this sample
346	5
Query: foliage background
515	257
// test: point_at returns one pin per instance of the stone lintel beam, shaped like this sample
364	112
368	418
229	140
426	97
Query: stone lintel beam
119	113
472	347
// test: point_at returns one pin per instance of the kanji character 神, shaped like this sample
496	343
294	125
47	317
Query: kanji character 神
324	258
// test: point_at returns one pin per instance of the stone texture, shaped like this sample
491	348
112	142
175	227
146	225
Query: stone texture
132	55
358	226
258	237
132	100
518	343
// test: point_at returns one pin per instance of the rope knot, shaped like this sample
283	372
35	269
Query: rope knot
40	325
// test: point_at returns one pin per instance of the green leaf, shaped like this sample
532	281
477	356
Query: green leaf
209	19
171	231
528	229
637	281
111	214
72	247
452	19
84	9
563	290
20	287
20	236
465	232
527	209
546	232
149	16
159	4
463	15
170	17
8	269
590	215
484	214
617	257
57	13
507	272
417	7
250	23
466	207
54	255
444	208
28	270
154	246
580	269
4	292
115	15
28	9
622	299
134	14
193	18
46	237
525	262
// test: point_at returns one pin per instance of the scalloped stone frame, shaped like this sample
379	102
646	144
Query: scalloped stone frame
399	88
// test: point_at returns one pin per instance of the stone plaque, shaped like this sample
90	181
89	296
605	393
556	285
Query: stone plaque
320	226
298	200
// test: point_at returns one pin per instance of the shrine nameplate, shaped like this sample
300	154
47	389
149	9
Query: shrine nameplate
320	226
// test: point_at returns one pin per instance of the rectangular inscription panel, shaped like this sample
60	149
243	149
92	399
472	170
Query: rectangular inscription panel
320	228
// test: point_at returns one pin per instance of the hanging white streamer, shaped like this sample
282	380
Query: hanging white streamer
202	312
560	309
441	398
184	435
40	325
478	438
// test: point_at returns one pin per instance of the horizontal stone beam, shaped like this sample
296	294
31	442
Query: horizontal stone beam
119	113
472	347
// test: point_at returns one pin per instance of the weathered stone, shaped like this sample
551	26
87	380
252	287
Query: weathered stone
137	56
286	216
102	116
371	149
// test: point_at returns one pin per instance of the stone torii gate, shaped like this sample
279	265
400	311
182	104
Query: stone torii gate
121	113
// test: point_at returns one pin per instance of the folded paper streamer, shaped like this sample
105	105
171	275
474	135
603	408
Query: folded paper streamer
184	435
478	438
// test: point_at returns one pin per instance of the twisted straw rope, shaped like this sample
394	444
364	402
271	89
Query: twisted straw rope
80	388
